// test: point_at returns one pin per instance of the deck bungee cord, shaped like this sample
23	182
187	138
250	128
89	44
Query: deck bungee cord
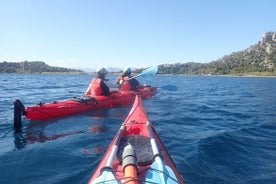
136	154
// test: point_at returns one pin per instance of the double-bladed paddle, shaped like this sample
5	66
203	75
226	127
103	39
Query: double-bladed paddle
107	174
169	87
158	171
147	72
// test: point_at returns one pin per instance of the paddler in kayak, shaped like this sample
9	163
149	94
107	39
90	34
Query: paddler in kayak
125	83
97	86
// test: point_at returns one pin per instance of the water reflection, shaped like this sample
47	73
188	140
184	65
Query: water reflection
96	150
19	140
98	128
49	130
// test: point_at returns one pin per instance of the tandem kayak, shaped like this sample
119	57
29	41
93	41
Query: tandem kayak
80	104
136	154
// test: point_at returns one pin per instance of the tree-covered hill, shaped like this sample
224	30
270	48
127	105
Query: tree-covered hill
259	59
33	67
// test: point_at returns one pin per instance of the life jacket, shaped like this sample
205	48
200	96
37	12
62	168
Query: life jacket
126	84
96	89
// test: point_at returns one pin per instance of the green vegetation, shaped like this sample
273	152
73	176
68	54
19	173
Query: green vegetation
259	59
33	67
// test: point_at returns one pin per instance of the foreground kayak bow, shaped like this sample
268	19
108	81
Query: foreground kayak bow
136	154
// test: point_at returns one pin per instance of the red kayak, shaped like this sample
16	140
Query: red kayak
81	104
136	154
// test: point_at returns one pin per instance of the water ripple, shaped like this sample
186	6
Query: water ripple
217	129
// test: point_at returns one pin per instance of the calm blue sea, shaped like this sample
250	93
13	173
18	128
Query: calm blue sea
217	129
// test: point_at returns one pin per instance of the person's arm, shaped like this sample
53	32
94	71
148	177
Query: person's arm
88	91
119	80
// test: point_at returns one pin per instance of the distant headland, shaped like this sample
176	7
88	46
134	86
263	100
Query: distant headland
257	60
33	67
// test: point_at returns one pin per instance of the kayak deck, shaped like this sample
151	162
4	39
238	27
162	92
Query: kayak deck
149	157
81	104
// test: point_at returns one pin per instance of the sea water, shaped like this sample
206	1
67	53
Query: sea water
216	129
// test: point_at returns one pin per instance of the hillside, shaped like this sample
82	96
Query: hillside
33	67
259	59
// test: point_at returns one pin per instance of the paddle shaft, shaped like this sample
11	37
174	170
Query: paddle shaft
149	71
164	171
114	148
106	172
152	140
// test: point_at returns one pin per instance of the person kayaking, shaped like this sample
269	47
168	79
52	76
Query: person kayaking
125	82
97	86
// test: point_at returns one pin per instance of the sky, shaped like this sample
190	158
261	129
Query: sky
130	33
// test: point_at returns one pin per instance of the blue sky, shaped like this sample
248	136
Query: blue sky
135	33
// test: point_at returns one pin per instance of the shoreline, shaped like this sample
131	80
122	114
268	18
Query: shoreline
116	73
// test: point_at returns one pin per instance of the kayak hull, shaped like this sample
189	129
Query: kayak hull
138	132
82	104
